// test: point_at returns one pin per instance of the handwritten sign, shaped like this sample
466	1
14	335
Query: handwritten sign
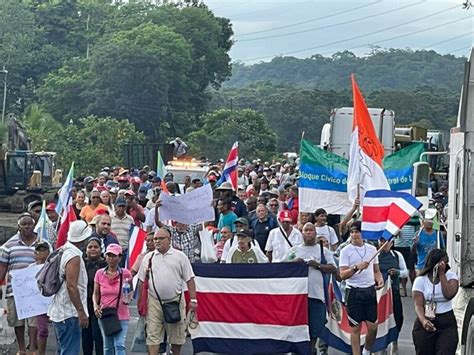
192	207
28	300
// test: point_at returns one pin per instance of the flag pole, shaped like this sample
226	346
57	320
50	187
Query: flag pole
358	197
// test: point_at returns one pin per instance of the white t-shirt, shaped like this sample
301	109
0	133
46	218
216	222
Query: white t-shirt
315	277
424	285
329	233
352	255
277	244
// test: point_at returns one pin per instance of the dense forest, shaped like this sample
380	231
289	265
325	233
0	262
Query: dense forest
87	76
397	69
297	95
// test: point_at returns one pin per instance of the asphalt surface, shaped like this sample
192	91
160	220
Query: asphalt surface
405	343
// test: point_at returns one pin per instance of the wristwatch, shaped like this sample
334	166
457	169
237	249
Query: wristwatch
355	268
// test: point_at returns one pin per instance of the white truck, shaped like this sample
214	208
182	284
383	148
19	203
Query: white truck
336	135
460	219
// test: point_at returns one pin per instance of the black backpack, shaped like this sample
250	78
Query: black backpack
48	278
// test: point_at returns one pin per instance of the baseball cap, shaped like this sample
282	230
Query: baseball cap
34	204
244	232
51	206
242	220
130	193
212	178
284	216
42	245
120	202
114	249
430	213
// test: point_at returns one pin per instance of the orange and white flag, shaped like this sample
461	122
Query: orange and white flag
366	152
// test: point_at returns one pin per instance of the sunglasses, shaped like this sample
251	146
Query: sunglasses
95	197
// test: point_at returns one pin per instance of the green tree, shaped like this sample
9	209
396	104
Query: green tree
92	143
221	128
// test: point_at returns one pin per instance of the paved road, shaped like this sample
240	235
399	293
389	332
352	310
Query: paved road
405	343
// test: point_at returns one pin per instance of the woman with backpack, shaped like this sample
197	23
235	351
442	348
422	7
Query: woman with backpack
112	295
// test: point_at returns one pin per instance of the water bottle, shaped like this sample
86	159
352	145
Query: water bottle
292	255
126	292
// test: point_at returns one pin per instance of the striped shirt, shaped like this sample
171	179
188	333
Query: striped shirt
121	228
16	255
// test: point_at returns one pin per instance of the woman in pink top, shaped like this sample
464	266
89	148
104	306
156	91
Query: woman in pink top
106	292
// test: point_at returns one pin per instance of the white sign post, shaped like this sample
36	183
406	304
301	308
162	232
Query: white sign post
28	300
190	208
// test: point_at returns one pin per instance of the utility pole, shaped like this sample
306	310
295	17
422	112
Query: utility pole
5	73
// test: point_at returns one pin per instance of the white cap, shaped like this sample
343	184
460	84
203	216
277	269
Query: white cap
78	231
430	213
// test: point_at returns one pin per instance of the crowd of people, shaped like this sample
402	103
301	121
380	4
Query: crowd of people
258	223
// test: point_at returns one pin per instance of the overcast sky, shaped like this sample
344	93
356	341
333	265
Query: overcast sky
301	28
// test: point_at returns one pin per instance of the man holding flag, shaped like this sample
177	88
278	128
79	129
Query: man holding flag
359	266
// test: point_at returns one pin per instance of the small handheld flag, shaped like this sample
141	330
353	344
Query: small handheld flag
230	169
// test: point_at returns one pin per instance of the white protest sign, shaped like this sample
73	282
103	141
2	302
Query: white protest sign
28	300
192	207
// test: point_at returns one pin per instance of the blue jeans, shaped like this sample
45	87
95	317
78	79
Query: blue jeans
68	336
115	344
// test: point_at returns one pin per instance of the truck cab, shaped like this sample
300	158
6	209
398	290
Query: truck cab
460	219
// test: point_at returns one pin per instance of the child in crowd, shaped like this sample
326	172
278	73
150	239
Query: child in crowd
42	250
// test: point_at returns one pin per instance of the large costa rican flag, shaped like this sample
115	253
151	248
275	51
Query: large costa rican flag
337	333
252	308
230	169
385	212
366	152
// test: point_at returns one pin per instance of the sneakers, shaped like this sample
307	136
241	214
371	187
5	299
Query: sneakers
366	352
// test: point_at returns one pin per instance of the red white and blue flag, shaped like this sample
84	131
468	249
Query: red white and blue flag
337	333
385	212
366	152
230	169
136	245
252	308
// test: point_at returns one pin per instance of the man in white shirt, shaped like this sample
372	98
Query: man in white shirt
359	266
319	260
68	311
281	239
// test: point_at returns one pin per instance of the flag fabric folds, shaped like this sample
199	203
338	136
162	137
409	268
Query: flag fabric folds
136	244
65	194
323	180
64	208
366	152
64	227
385	212
252	308
337	333
41	228
323	176
229	173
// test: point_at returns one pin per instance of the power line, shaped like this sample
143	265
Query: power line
460	49
355	37
404	35
448	40
339	23
310	20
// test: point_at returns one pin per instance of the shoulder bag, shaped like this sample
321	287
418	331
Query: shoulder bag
171	311
109	320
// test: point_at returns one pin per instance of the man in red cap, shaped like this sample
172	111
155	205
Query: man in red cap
282	238
51	212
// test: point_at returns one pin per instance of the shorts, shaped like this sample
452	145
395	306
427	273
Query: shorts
12	317
317	317
155	325
361	305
